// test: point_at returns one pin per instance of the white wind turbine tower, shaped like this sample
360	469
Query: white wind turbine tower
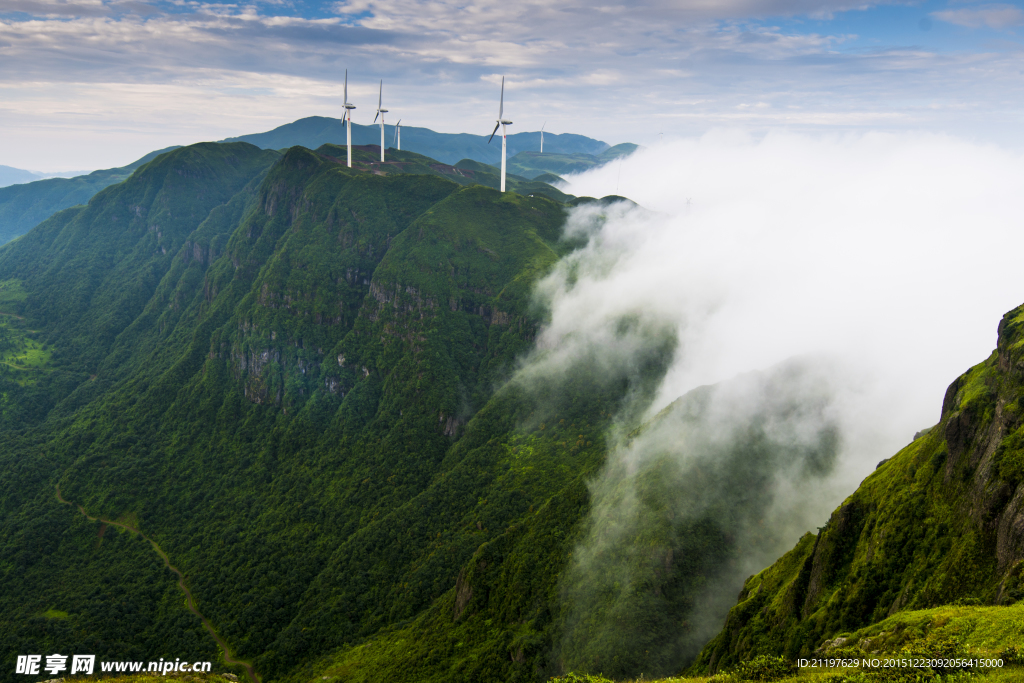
501	122
398	135
542	137
380	113
347	118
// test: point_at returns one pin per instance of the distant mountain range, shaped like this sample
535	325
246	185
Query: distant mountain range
533	165
23	206
10	176
13	176
313	131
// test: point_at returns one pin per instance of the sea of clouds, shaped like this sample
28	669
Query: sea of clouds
835	284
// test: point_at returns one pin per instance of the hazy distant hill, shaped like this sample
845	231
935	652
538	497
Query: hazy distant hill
313	131
530	164
26	205
14	176
11	176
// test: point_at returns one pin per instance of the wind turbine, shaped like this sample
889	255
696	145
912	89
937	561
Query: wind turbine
380	113
398	135
542	137
347	117
501	122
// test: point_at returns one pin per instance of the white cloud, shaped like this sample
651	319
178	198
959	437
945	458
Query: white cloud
893	253
872	268
992	16
569	64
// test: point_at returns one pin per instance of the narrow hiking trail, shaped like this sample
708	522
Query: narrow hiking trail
250	672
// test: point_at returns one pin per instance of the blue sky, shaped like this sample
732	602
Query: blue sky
97	83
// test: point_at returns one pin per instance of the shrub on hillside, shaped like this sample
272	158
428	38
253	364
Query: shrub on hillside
764	668
1012	655
573	677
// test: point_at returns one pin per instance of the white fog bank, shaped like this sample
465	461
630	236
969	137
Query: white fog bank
894	255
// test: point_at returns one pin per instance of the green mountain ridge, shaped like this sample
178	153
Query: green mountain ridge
24	206
936	524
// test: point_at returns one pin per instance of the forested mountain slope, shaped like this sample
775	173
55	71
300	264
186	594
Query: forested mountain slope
271	366
25	205
940	522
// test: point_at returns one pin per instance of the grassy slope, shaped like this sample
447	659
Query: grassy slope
934	524
948	632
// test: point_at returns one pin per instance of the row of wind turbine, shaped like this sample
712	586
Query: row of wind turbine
501	123
347	120
380	113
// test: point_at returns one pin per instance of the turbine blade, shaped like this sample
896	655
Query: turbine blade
493	132
346	86
399	122
394	140
375	117
501	102
380	95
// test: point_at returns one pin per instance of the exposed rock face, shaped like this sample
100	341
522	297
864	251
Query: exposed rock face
463	594
843	526
451	424
941	520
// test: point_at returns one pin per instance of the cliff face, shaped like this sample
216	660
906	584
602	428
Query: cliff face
942	521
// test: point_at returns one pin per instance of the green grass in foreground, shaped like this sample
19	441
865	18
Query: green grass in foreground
157	678
948	632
